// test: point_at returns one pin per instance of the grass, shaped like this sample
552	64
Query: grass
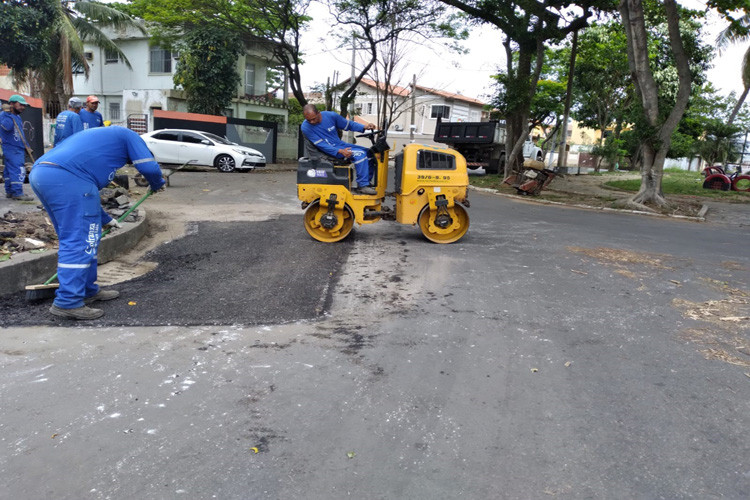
681	182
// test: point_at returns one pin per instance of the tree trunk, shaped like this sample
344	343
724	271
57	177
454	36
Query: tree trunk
652	169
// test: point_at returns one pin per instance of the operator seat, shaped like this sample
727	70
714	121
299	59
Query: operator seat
311	151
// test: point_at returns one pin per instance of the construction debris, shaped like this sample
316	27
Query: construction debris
27	231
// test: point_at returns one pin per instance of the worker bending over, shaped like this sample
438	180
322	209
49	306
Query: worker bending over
68	183
321	128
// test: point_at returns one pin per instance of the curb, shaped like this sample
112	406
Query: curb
29	269
700	218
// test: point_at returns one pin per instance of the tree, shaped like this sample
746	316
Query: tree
25	27
274	25
75	23
377	26
737	31
207	69
527	25
655	121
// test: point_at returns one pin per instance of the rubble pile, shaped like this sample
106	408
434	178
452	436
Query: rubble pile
33	231
22	232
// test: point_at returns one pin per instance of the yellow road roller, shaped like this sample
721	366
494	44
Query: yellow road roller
430	190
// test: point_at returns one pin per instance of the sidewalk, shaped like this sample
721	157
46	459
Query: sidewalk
27	268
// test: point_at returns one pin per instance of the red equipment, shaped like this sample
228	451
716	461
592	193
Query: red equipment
716	178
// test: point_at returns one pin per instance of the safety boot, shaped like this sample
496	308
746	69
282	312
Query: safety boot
365	190
82	312
102	295
23	197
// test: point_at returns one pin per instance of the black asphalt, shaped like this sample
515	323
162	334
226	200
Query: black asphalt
244	273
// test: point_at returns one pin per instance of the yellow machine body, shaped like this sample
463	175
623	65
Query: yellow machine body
431	189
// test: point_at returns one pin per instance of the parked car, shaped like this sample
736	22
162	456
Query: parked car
179	146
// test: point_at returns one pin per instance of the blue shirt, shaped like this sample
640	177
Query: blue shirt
96	154
91	119
325	134
8	132
67	124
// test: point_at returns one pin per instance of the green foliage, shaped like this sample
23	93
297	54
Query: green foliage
719	143
25	27
206	69
252	20
611	151
681	182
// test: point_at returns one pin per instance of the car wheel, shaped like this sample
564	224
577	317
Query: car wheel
224	163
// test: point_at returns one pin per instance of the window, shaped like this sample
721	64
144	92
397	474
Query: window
439	111
192	138
114	111
111	57
161	60
167	136
249	78
77	68
430	160
369	108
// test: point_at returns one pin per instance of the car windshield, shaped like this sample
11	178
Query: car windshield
216	138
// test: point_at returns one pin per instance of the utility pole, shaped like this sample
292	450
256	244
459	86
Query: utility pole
562	156
350	134
413	125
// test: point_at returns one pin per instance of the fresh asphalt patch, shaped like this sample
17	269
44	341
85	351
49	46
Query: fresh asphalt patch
220	273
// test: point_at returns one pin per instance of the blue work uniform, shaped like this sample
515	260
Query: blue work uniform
67	180
66	124
326	138
14	153
91	119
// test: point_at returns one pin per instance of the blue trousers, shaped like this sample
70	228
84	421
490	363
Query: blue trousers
14	171
362	164
74	209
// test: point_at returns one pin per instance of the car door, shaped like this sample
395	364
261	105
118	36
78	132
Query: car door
193	148
165	146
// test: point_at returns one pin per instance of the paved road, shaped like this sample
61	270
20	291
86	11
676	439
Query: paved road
551	353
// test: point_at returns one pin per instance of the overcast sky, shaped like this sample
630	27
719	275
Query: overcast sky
468	74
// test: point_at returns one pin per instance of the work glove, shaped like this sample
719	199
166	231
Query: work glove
160	186
113	225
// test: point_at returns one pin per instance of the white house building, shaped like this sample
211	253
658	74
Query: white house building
429	104
134	93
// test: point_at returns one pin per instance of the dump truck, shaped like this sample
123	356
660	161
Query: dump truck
481	143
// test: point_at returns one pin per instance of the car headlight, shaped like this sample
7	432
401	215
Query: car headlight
247	153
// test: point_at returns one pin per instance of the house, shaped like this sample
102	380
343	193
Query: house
130	95
429	105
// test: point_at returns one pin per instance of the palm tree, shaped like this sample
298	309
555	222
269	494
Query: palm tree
738	32
77	22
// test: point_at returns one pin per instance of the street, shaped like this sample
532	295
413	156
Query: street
551	353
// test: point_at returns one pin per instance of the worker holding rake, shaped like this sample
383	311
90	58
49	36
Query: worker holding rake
67	180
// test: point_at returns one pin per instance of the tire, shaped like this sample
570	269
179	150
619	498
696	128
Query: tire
225	163
318	232
741	183
456	231
717	181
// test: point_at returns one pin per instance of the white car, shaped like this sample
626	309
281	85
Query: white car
203	148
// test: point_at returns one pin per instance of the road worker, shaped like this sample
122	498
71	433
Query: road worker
14	148
68	122
321	128
67	180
